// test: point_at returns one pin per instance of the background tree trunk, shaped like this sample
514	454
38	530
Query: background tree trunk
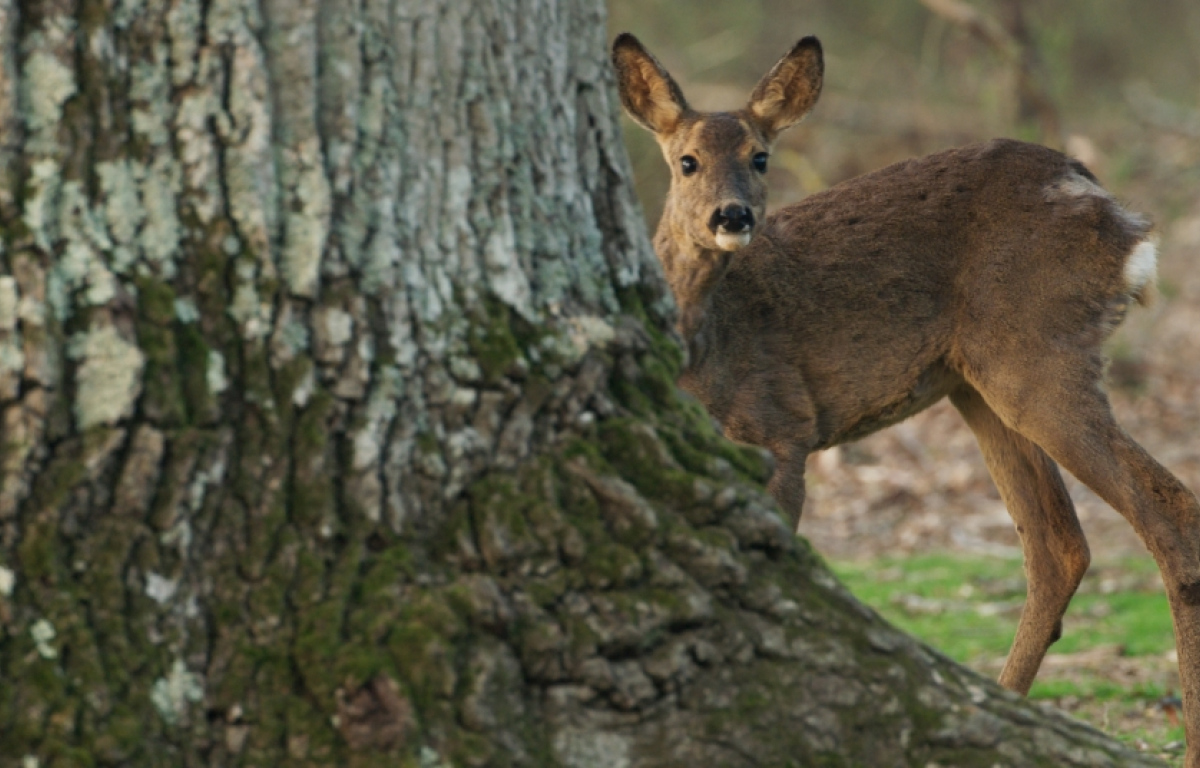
339	421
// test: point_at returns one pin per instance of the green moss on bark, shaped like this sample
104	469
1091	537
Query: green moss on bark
163	399
492	343
633	448
312	498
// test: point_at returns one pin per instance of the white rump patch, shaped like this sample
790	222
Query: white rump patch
1075	185
727	241
1142	268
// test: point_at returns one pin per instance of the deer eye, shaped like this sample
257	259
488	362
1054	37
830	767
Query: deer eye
760	162
688	165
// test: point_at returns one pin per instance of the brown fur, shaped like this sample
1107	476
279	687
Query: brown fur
991	274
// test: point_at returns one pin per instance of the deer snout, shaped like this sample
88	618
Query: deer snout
732	219
732	225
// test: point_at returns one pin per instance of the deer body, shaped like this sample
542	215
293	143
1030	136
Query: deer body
991	274
864	304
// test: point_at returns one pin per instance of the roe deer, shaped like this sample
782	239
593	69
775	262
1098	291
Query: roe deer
991	274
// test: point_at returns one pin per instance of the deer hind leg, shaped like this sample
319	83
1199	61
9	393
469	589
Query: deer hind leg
1072	421
1056	553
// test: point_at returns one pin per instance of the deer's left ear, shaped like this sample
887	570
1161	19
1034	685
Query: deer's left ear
789	91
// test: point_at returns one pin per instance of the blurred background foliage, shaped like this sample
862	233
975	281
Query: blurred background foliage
903	80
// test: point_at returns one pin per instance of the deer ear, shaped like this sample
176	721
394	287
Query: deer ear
648	93
787	93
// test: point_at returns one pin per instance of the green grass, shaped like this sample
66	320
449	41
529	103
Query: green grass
1139	621
1099	689
968	607
966	591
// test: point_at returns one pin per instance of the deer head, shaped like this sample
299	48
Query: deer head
718	160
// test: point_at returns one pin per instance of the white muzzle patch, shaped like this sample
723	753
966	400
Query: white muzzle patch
731	241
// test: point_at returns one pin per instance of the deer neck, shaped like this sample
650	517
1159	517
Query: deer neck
693	274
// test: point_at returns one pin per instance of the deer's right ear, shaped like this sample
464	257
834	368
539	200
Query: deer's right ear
648	93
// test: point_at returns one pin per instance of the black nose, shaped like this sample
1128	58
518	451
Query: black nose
732	218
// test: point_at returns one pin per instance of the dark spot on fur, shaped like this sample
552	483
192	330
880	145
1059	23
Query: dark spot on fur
852	221
1056	634
1190	593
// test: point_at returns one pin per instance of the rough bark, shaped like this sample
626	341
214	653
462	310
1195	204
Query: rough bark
338	422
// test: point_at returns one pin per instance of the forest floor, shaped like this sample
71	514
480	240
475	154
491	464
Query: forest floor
911	520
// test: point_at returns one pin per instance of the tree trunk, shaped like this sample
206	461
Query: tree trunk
338	418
